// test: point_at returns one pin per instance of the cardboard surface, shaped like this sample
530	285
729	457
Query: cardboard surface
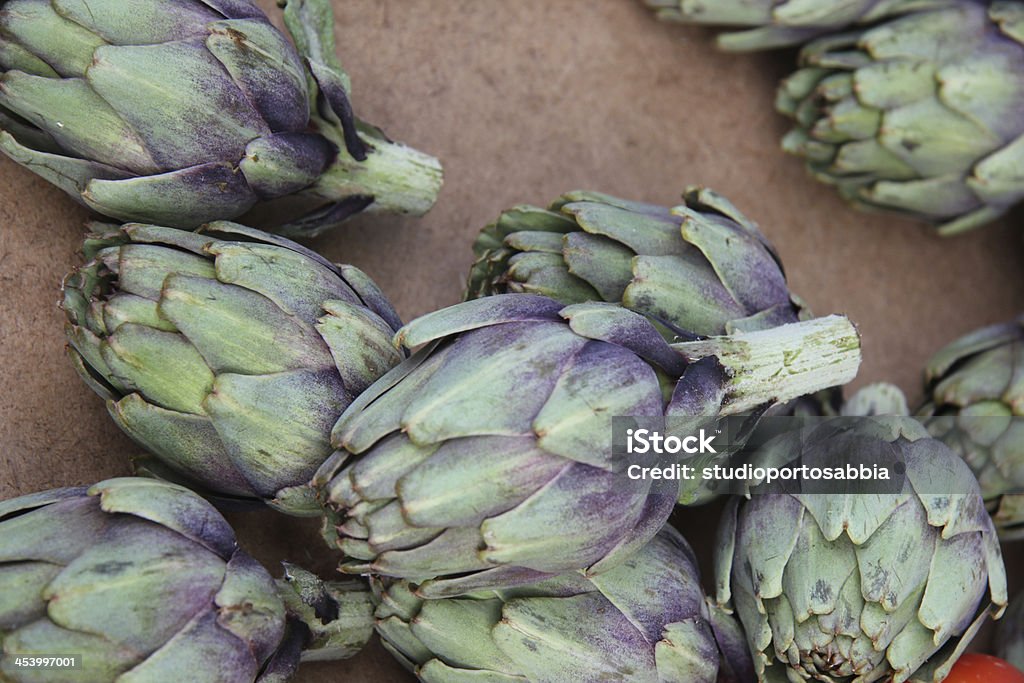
521	101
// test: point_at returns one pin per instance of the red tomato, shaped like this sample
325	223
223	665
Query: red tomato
975	668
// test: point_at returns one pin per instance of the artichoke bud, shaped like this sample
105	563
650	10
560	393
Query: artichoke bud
104	99
861	584
486	459
139	579
227	353
646	620
920	114
702	268
975	404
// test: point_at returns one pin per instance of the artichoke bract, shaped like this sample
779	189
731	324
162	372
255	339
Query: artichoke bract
487	458
781	23
702	267
144	581
227	353
647	620
975	404
180	112
921	115
1010	636
855	583
880	398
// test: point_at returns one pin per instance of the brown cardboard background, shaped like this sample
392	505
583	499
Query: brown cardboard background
522	101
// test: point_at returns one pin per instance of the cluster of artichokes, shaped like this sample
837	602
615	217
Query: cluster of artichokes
473	474
481	464
468	462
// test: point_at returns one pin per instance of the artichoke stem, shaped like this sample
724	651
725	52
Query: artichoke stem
338	614
782	363
401	180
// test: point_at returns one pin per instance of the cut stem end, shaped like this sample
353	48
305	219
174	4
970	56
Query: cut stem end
783	363
401	180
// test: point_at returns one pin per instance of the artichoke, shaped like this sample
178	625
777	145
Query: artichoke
702	267
227	353
781	23
143	581
645	620
975	402
1010	636
180	112
860	584
487	458
921	115
880	398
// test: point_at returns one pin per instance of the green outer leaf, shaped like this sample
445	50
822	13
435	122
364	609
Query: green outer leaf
458	632
249	604
641	233
690	298
471	315
599	383
360	343
34	529
143	269
77	119
182	199
552	639
34	24
275	427
603	263
21	589
240	331
675	658
137	592
136	22
209	650
311	25
163	366
295	284
171	506
71	175
102	660
463	481
166	92
469	397
188	444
